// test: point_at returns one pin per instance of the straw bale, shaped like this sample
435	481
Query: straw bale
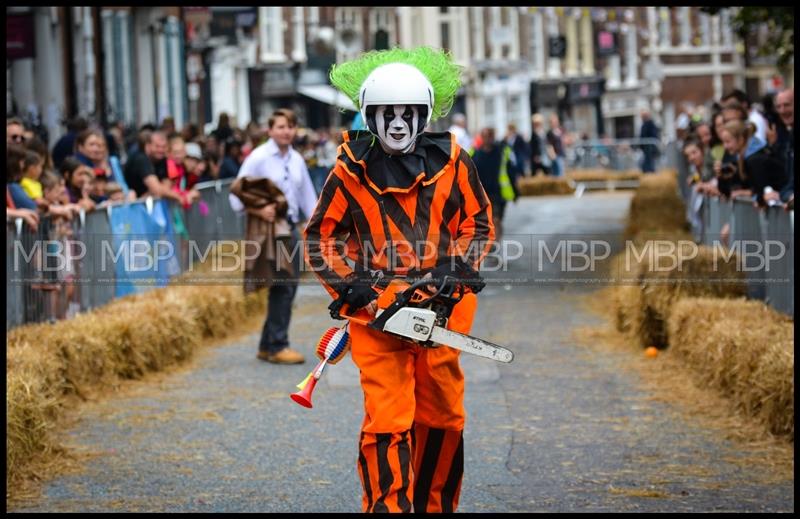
656	207
745	350
541	185
127	338
599	174
706	275
30	406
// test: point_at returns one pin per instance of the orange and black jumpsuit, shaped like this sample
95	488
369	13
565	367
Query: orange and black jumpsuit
403	215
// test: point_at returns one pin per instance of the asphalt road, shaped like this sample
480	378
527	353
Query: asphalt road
561	429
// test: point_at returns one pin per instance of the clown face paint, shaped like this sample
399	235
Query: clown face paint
397	127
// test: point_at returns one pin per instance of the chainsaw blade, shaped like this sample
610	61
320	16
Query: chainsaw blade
471	345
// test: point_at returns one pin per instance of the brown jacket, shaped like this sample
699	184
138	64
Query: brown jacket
256	193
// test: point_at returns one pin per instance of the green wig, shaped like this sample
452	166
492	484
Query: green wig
437	65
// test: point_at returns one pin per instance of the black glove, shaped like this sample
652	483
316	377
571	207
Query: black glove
462	271
356	293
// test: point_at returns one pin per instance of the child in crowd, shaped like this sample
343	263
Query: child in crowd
32	167
114	192
97	191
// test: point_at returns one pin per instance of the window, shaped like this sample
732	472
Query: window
514	106
445	31
271	33
381	40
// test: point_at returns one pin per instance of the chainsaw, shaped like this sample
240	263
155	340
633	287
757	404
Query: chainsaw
411	312
414	312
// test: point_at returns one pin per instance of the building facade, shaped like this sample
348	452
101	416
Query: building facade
595	67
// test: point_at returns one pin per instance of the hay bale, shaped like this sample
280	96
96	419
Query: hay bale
656	207
130	336
598	174
31	407
745	350
541	185
709	274
625	301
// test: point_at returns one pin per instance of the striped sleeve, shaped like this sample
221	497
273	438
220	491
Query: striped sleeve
325	235
475	230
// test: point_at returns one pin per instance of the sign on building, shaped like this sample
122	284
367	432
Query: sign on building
19	36
557	46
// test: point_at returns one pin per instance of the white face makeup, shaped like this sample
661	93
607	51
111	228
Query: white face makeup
398	126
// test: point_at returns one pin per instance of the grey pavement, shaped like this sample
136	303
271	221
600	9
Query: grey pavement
561	429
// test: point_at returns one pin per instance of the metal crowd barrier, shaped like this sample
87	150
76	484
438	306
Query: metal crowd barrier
35	293
615	154
764	239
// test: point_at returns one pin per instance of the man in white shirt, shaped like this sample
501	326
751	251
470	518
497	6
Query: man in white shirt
285	167
459	129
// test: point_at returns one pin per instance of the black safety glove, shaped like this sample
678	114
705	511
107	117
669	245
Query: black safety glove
356	292
458	271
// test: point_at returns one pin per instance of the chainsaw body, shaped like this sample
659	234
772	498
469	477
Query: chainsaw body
411	313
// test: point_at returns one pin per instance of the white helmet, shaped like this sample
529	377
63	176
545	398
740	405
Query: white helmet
396	84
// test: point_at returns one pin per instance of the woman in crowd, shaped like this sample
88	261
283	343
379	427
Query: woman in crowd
756	167
91	150
693	151
18	203
715	150
78	178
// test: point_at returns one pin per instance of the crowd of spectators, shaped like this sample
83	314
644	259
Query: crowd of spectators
741	150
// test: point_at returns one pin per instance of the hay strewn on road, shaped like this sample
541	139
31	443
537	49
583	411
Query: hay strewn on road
49	363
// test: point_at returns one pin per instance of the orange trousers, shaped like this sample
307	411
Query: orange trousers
411	451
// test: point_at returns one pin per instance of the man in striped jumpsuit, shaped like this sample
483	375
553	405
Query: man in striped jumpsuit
406	203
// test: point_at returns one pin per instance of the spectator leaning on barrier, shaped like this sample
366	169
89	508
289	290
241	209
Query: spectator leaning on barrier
693	150
757	167
138	143
194	164
91	149
53	189
146	173
177	179
38	146
16	197
77	178
715	151
97	186
753	115
285	167
18	204
15	131
32	168
784	104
